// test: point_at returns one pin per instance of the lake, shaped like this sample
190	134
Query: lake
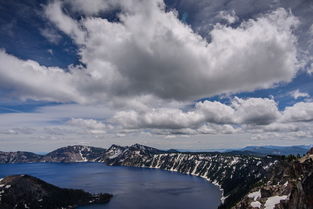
133	188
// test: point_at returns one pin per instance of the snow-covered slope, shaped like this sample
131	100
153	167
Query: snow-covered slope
76	153
234	174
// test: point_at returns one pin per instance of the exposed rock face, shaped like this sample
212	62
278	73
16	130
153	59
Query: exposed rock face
76	153
289	185
23	191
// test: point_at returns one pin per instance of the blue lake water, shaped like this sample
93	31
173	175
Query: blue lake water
133	188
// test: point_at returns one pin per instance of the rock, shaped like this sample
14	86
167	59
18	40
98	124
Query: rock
290	183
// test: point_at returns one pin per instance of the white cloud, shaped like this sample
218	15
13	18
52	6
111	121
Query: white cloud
144	68
66	24
302	111
205	117
122	60
28	79
133	62
297	94
86	123
229	16
259	111
94	126
51	35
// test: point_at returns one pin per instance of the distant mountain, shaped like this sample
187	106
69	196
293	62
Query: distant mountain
76	153
21	157
24	192
274	150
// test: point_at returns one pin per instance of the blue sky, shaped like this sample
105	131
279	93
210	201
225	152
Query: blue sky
174	74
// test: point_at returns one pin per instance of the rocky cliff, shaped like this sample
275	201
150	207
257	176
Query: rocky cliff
27	192
288	185
234	174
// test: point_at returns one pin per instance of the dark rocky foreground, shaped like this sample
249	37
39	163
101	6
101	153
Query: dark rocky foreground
24	191
289	185
237	174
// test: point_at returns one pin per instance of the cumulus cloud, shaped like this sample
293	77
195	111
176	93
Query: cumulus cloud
167	59
88	123
205	116
302	111
251	115
230	17
91	125
65	23
297	94
136	60
51	35
146	66
29	80
259	111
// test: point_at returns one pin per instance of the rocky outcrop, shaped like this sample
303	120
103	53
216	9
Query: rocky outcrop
288	185
27	192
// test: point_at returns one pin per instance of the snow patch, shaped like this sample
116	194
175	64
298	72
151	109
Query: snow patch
272	201
255	204
255	195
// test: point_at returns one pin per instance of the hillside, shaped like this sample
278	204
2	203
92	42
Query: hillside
25	192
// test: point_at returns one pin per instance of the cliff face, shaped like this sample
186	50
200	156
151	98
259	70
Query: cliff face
289	185
23	191
233	173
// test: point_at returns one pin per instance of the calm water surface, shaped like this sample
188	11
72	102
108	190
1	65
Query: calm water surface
133	188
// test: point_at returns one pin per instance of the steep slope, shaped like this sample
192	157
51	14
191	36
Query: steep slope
288	185
235	174
23	191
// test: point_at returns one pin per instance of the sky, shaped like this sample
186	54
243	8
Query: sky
184	74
